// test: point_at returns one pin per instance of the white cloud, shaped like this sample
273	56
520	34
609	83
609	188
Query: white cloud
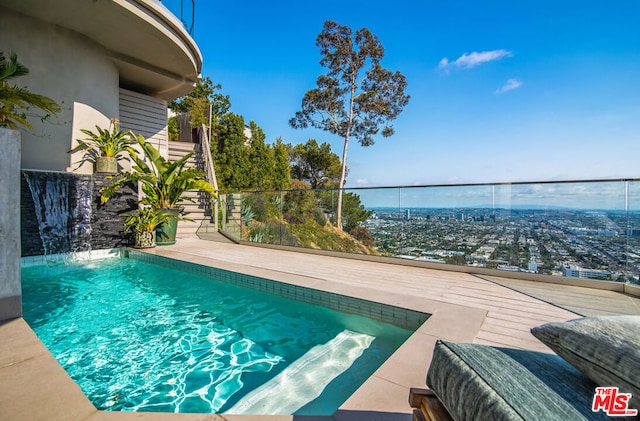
474	59
510	85
362	182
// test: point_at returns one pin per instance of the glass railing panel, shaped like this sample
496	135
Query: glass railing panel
299	213
262	218
509	247
325	217
383	225
598	195
183	10
564	229
633	232
353	237
229	214
587	229
444	224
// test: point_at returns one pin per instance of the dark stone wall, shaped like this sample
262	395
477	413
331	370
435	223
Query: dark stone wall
107	229
107	222
31	244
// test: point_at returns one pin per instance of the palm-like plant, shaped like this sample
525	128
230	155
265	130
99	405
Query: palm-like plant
105	142
162	181
15	101
145	219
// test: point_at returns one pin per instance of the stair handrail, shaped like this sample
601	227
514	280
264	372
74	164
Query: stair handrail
205	148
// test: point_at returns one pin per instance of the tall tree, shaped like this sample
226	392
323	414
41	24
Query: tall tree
282	170
315	164
354	212
261	160
204	89
231	154
205	95
357	96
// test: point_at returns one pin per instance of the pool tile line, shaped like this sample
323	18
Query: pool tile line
401	317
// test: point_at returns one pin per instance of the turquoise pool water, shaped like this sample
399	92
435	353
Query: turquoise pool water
138	336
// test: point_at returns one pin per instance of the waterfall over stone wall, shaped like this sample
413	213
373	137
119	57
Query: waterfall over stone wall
61	213
62	204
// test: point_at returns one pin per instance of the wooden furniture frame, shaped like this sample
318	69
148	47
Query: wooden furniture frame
426	406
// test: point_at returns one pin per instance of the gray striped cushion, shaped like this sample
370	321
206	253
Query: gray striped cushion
477	382
605	348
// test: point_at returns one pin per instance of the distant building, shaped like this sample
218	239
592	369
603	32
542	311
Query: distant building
247	135
407	214
633	232
509	268
572	270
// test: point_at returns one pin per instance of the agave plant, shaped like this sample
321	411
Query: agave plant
15	101
162	181
247	213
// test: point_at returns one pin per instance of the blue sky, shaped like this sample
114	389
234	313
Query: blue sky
500	90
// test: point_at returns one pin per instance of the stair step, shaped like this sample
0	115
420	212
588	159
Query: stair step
180	152
194	206
188	229
198	210
173	155
197	216
192	193
179	149
191	162
184	146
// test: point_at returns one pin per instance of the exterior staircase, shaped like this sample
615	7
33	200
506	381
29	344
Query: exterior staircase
200	209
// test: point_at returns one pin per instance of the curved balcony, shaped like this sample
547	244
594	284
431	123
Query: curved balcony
152	50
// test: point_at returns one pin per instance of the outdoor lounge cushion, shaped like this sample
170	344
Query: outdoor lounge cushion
478	382
605	348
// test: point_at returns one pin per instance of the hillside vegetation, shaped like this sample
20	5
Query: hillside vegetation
298	221
290	194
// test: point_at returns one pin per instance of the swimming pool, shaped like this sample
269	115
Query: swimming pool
163	335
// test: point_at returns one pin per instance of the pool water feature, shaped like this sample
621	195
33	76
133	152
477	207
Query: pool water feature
141	336
62	204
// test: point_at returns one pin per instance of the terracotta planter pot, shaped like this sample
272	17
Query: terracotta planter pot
145	239
107	164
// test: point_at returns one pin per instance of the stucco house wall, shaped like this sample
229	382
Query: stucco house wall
83	54
69	68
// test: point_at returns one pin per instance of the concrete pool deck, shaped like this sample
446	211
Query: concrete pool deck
464	307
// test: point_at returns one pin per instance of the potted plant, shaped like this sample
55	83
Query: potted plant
104	147
144	223
163	183
16	101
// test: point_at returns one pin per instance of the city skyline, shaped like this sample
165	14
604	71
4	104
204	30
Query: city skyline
601	245
501	91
